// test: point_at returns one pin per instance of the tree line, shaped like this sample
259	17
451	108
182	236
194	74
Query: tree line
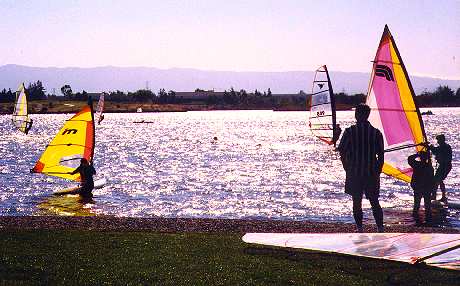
441	96
34	91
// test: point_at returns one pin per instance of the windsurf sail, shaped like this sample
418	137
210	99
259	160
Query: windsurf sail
393	110
322	120
74	141
434	249
20	115
100	108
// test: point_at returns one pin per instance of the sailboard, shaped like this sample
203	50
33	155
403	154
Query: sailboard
100	108
20	117
74	141
434	249
77	189
393	110
322	121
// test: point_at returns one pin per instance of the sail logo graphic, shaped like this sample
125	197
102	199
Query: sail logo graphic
384	71
320	85
69	131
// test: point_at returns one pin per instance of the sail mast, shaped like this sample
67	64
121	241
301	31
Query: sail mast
332	99
90	103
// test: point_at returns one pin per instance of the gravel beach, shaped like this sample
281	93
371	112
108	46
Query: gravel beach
179	225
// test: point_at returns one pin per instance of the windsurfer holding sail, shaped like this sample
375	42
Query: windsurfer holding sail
87	172
443	155
361	152
422	182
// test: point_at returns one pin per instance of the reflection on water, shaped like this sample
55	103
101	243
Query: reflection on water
68	205
263	165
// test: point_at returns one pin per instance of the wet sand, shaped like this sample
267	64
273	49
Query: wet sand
180	225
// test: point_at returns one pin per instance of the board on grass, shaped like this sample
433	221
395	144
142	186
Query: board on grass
98	184
434	249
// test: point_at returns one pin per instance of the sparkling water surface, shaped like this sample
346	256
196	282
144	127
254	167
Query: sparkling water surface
264	164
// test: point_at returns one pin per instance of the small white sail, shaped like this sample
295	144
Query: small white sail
20	117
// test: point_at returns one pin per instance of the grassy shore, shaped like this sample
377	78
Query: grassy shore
98	250
63	106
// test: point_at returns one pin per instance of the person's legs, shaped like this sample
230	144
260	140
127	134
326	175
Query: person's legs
427	204
358	211
377	212
417	199
87	190
443	191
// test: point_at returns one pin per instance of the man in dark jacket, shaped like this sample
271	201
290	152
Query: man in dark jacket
443	155
361	152
87	172
422	182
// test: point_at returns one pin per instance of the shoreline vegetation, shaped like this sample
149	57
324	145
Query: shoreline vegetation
51	250
198	100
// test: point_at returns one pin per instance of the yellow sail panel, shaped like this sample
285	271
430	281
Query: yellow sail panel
407	99
396	173
20	116
74	141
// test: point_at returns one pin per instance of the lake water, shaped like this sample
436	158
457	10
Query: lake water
264	165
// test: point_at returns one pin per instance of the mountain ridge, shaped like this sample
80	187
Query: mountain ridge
111	78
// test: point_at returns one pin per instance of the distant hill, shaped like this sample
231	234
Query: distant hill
133	78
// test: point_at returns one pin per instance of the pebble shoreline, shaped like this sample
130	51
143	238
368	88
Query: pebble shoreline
201	225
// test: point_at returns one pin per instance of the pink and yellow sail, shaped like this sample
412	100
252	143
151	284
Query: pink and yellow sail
393	109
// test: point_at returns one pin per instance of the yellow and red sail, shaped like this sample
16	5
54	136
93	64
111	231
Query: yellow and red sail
74	141
393	109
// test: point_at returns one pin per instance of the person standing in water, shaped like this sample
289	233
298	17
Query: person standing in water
443	156
361	152
422	183
28	126
87	172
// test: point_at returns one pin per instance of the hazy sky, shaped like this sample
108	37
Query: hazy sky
249	35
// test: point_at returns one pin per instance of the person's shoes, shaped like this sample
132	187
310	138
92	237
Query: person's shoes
380	229
359	229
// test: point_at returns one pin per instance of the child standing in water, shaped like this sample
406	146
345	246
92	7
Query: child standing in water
422	182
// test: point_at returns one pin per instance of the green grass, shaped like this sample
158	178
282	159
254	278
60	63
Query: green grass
94	257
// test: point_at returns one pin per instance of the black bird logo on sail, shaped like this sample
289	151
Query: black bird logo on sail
384	71
320	85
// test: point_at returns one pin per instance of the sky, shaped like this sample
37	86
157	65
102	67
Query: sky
248	35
